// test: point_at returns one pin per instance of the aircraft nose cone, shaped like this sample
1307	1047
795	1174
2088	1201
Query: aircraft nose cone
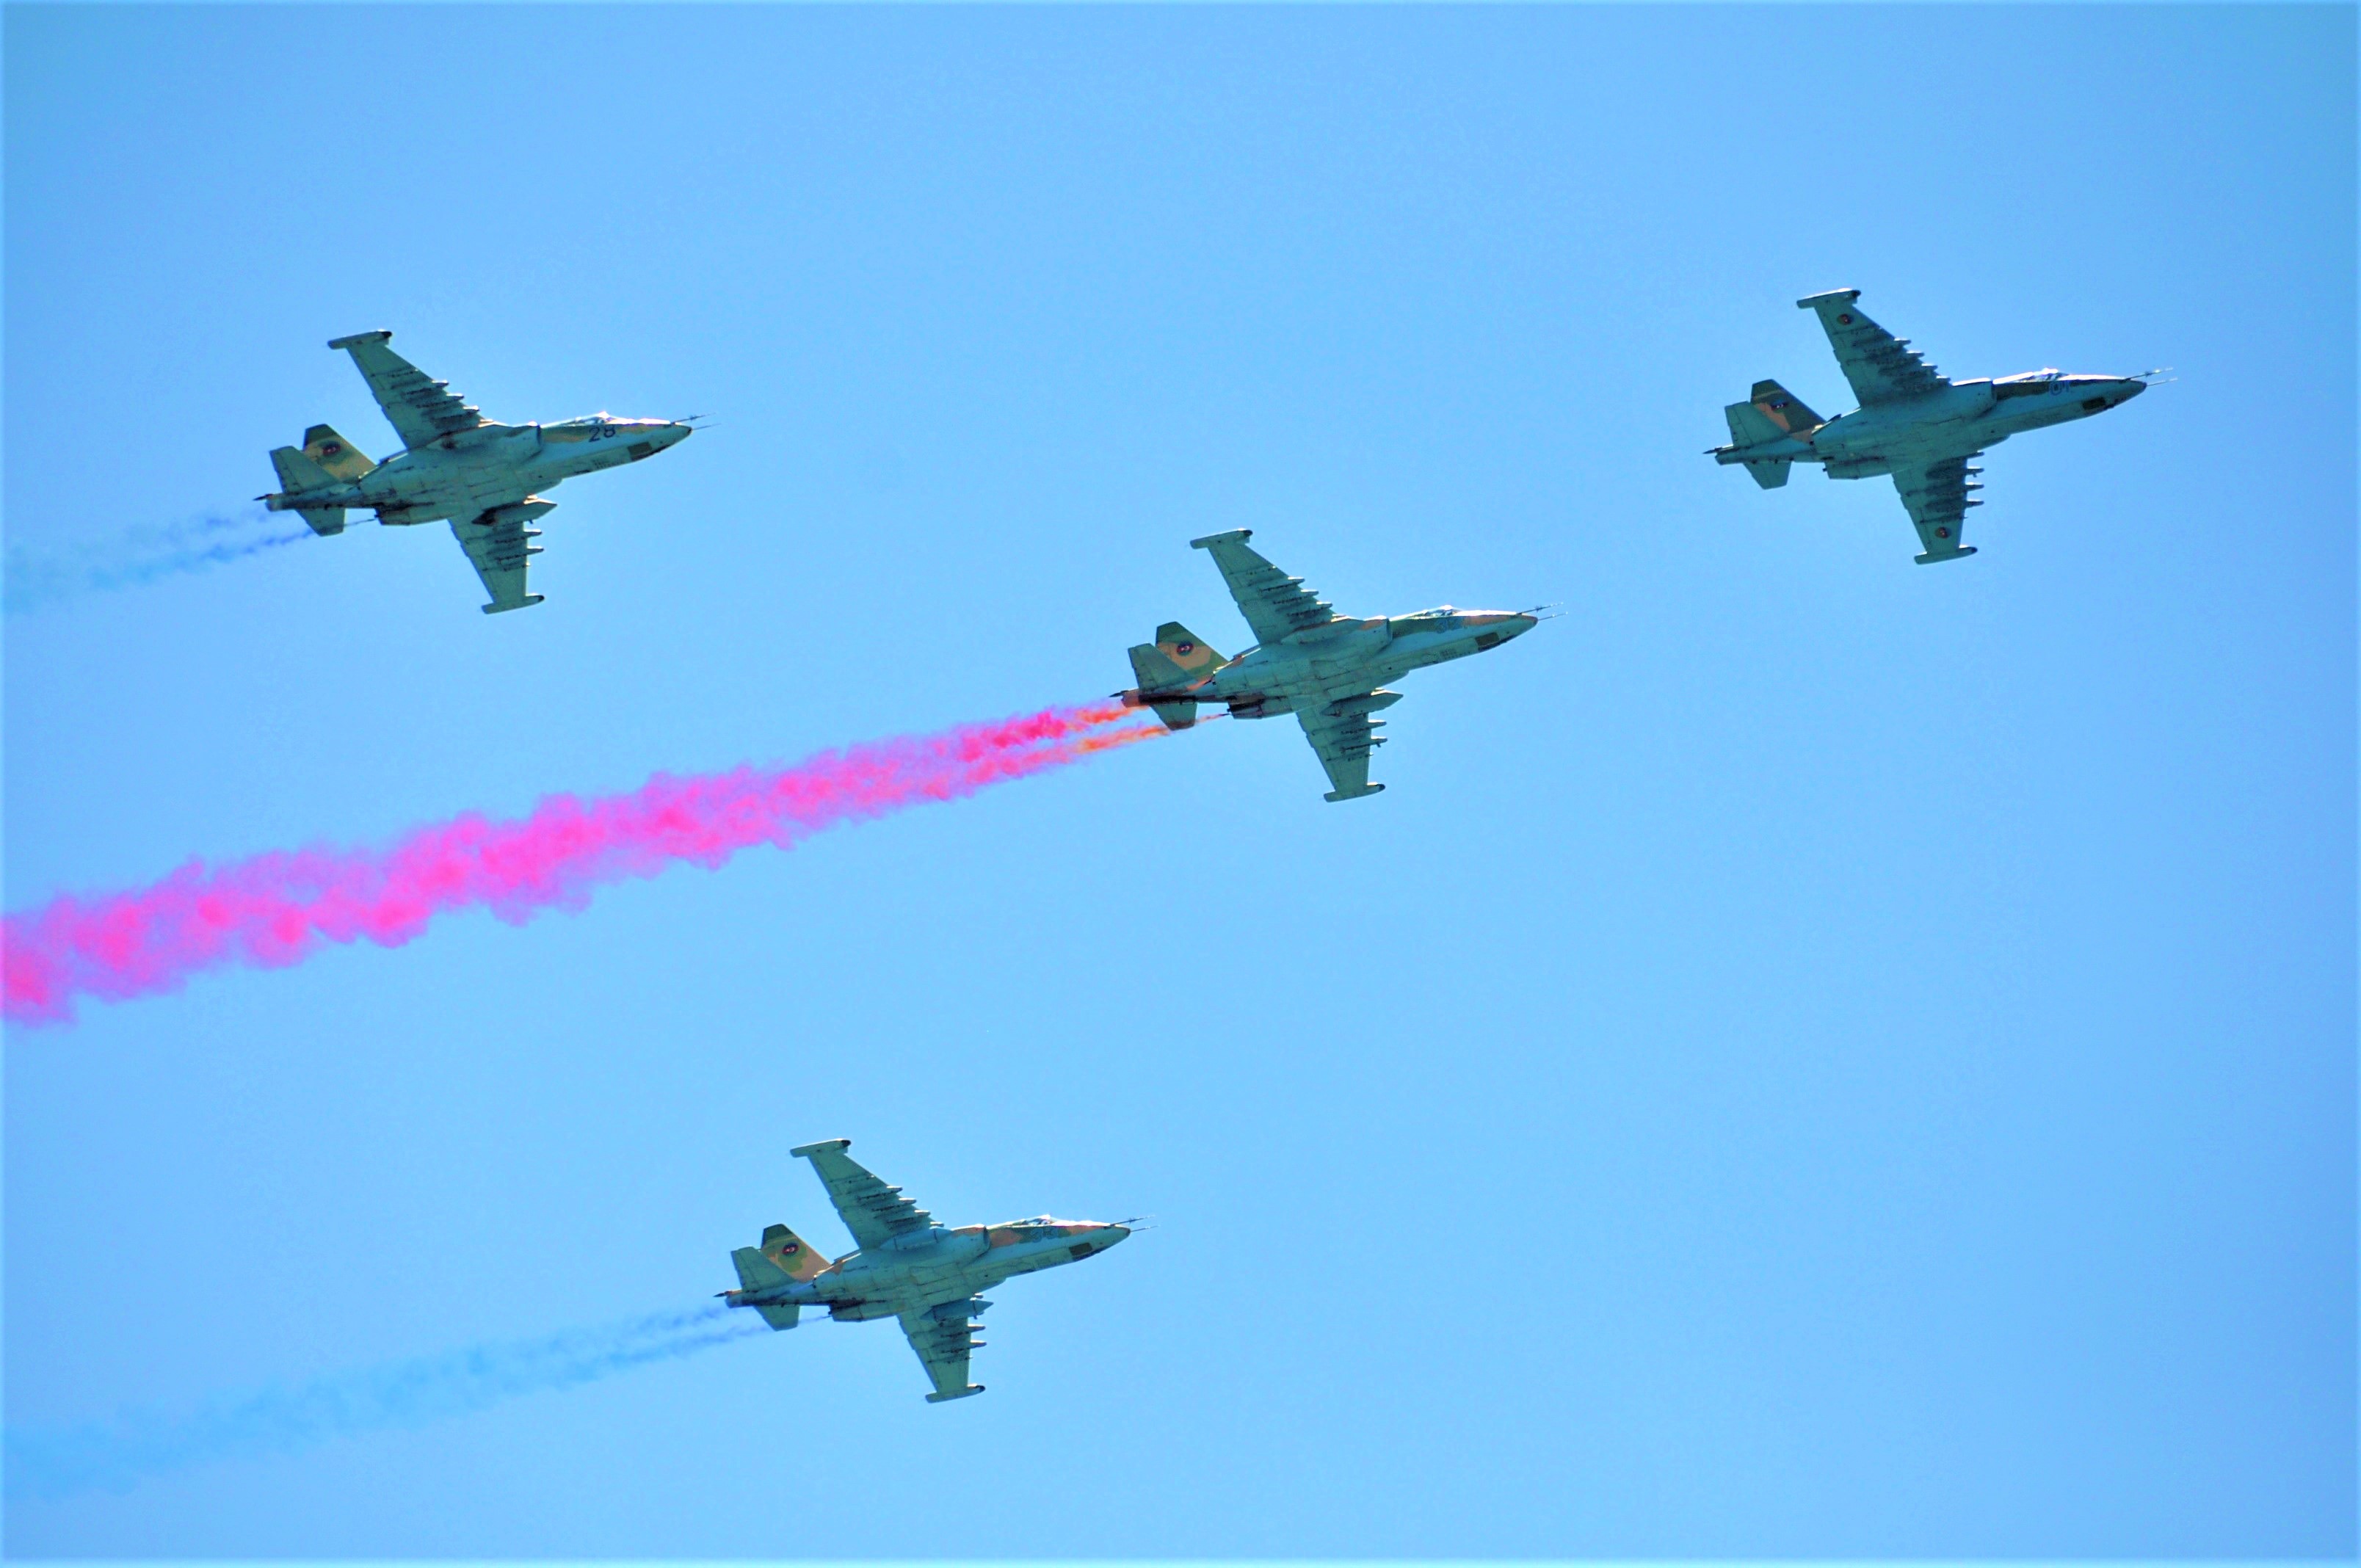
2131	389
1109	1235
674	434
1518	625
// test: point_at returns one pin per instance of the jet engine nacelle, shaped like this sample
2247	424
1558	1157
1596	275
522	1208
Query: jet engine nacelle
1346	707
520	511
859	1311
1875	426
1264	708
1857	468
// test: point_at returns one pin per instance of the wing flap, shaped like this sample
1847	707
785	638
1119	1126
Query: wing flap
1274	604
1937	500
420	409
1343	742
875	1213
500	546
1881	366
944	1337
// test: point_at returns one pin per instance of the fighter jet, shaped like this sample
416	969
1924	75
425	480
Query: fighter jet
1912	423
455	464
1328	670
908	1267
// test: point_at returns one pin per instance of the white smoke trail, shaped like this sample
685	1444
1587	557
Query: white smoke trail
115	1456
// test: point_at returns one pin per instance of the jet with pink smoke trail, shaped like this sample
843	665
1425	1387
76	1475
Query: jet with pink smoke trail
275	909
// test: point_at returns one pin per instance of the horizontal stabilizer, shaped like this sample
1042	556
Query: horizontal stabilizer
323	519
1770	475
781	1317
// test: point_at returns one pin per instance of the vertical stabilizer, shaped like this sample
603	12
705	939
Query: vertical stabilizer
336	458
790	1254
1176	661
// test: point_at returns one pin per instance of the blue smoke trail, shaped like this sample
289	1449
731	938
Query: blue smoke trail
37	576
59	1461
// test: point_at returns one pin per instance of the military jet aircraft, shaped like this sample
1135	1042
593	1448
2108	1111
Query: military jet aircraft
1912	423
455	464
908	1267
1328	670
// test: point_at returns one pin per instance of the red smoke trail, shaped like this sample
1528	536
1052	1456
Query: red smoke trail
276	909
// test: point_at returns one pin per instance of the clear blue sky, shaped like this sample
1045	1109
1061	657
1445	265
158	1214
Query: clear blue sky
1811	1056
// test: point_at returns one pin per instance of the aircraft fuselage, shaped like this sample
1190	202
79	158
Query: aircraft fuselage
1347	659
1958	419
465	475
937	1267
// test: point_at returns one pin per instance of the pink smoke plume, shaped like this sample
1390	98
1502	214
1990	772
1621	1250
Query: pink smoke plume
276	909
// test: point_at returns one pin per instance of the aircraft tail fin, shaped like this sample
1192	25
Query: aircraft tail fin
1771	413
784	1259
336	457
790	1254
1177	660
298	473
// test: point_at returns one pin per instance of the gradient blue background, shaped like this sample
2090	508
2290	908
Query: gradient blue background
1812	1056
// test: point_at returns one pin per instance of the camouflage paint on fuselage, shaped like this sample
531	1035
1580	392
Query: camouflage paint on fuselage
1912	423
930	1277
1328	670
455	465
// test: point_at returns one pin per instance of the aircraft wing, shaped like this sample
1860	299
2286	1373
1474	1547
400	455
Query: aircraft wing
943	1336
421	411
1881	366
875	1213
1938	498
498	552
1274	604
1344	745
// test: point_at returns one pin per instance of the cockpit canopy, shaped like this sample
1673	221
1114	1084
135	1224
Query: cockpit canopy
600	426
2033	383
582	427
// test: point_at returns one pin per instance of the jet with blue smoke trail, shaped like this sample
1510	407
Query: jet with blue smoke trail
38	574
930	1278
455	465
59	1461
